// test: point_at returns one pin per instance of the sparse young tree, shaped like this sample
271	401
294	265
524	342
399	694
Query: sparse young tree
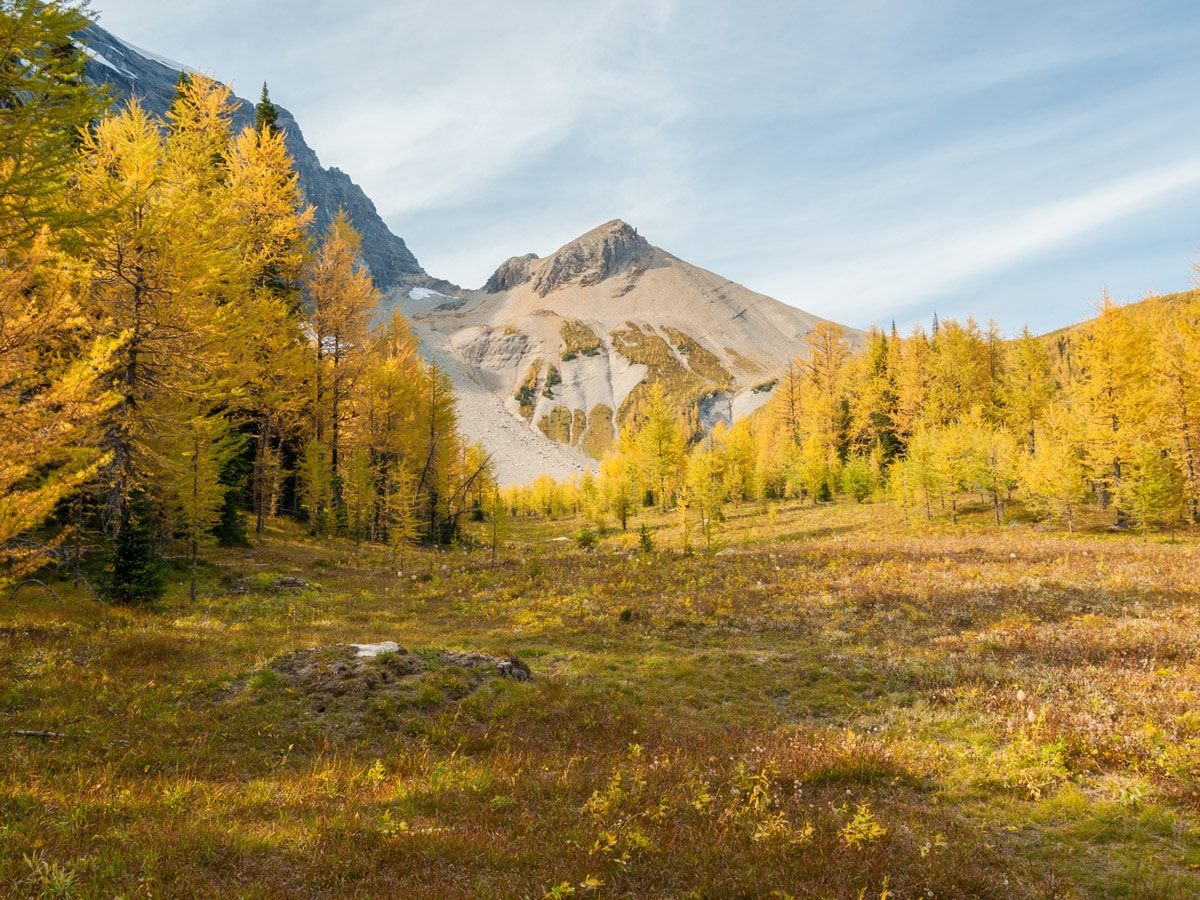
1177	376
739	449
359	495
660	445
341	302
1054	476
823	391
917	473
995	454
1027	388
705	489
1114	393
619	482
499	524
188	478
859	478
1149	492
911	383
954	456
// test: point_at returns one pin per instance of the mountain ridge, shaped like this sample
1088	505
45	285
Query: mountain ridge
130	72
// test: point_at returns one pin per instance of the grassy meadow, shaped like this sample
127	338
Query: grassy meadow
832	702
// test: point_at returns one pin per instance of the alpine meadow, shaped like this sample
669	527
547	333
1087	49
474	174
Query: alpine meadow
324	577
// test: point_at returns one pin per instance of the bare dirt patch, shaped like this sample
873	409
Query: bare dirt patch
342	684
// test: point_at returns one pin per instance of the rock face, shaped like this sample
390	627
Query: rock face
133	73
512	273
613	248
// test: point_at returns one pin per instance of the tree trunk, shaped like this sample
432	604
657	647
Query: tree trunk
1189	456
1122	515
75	575
260	476
334	435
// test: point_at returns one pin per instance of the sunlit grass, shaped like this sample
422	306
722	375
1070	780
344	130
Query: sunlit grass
835	703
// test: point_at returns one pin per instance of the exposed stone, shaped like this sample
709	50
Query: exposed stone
613	248
351	686
505	666
512	273
289	583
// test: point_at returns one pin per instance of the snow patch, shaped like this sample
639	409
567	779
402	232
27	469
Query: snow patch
369	651
154	57
420	293
107	63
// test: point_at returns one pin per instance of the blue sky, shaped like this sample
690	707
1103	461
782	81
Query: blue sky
866	161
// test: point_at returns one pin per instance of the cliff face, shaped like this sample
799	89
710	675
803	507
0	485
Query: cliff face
512	273
130	72
612	249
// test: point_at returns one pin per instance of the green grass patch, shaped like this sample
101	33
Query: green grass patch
838	705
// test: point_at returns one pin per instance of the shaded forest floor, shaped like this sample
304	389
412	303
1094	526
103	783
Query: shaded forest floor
831	703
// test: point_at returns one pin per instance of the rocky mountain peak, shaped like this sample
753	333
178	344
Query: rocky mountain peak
603	252
513	272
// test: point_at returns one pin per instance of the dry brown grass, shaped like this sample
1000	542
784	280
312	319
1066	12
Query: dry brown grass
836	705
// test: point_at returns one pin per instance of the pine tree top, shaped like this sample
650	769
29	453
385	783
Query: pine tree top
266	113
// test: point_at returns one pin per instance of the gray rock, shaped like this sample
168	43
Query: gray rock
613	248
512	273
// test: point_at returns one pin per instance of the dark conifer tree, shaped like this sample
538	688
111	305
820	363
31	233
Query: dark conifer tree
136	570
182	82
266	113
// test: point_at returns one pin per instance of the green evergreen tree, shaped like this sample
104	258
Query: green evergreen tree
136	572
182	83
266	113
1150	492
230	530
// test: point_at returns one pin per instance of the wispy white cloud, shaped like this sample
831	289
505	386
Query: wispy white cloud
878	154
928	265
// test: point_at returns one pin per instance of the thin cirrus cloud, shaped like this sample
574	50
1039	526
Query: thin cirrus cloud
932	265
867	160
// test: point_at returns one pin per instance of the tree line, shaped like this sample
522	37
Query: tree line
1104	416
178	354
